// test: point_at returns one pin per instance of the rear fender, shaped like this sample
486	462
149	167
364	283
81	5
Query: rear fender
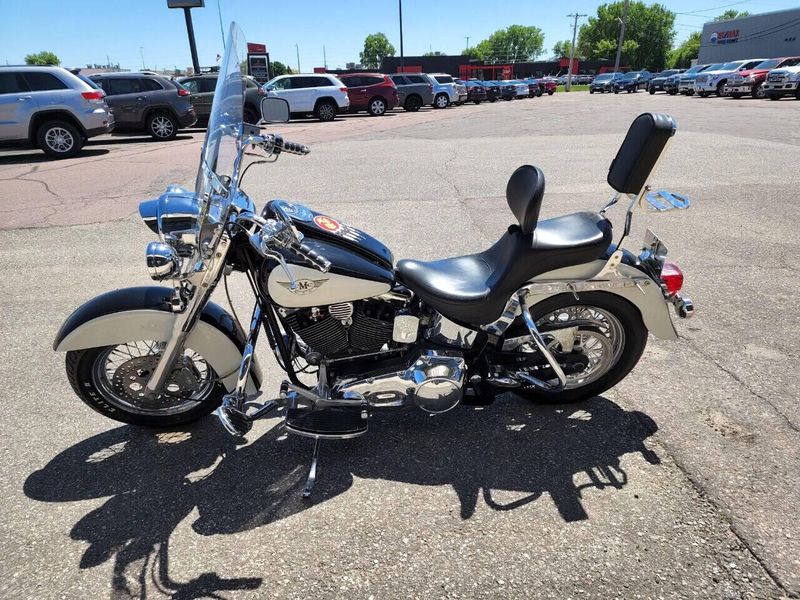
648	299
143	313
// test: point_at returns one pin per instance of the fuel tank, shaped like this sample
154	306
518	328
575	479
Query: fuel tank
361	267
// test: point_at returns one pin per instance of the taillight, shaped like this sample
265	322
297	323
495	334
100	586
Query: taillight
94	95
343	89
672	278
430	86
183	92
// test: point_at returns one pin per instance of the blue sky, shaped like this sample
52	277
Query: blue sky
86	31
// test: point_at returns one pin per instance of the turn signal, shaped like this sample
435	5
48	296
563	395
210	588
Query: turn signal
672	278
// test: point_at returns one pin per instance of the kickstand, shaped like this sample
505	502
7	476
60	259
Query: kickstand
312	471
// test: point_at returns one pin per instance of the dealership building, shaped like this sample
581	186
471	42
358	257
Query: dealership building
768	35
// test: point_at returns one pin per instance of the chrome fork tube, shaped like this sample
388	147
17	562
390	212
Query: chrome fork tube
247	358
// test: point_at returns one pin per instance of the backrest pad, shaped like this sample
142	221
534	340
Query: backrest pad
524	194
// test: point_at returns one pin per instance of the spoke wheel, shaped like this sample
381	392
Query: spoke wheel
162	126
59	140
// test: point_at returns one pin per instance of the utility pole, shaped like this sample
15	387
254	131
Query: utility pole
221	28
141	53
402	55
187	13
466	36
621	35
297	48
324	58
576	16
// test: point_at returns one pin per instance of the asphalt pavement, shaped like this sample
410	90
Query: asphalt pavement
681	482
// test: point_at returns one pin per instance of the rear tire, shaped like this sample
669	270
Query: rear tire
773	96
758	92
413	103
551	92
83	376
652	91
59	139
251	116
441	101
162	126
326	110
377	107
720	91
635	340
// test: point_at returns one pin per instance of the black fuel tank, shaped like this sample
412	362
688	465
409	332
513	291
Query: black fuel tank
332	231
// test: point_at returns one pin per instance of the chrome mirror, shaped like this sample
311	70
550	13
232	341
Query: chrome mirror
664	200
274	110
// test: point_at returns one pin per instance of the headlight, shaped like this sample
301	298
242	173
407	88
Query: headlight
163	261
795	76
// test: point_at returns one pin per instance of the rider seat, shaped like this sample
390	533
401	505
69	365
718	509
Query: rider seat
474	289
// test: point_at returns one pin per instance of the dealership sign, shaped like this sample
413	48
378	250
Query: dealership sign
725	37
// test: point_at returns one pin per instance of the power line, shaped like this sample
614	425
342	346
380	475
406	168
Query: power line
694	12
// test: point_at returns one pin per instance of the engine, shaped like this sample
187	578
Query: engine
344	329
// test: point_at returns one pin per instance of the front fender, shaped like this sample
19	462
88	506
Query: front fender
144	313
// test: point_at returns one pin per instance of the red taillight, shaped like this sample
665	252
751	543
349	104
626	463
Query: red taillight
672	277
183	92
343	89
94	95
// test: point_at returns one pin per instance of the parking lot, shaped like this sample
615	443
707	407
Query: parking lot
680	482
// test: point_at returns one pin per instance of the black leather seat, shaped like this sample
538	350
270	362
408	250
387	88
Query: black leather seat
474	289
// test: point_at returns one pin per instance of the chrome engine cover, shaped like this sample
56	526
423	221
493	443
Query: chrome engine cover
434	382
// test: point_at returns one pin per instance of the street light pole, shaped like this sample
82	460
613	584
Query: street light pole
621	35
466	36
187	13
141	53
402	54
297	48
572	50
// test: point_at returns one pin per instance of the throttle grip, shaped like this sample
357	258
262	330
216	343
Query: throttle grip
319	261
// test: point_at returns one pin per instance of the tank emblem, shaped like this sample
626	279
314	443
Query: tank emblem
304	286
327	223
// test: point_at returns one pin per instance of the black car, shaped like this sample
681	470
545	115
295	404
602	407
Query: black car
508	91
630	82
149	103
672	83
604	83
492	90
201	89
476	91
658	82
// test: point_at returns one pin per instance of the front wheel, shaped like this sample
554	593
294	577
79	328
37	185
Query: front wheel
413	103
59	139
111	380
162	126
758	91
608	338
377	107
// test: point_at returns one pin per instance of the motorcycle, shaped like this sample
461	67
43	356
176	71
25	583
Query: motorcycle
554	310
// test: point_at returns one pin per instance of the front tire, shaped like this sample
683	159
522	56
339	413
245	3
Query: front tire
162	126
413	103
758	92
377	107
625	334
115	393
59	139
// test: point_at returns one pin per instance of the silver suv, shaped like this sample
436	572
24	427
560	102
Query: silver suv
444	90
50	108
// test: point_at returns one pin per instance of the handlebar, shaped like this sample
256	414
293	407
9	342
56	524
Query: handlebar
319	261
280	145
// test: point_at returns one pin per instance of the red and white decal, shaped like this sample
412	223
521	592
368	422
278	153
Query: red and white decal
327	223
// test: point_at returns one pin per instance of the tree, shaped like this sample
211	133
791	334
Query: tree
515	43
376	47
45	57
435	53
563	49
682	56
649	29
278	68
729	15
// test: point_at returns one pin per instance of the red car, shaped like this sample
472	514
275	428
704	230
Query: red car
750	83
372	92
549	86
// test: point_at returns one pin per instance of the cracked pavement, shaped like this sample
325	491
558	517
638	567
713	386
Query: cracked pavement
680	482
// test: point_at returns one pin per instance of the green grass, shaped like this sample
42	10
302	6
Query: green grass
575	88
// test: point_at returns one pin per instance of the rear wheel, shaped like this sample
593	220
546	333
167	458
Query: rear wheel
551	92
111	380
326	110
162	126
721	91
703	94
608	338
59	139
251	116
652	91
441	101
774	97
413	103
377	107
758	91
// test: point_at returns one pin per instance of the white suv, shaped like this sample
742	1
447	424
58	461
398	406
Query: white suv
321	94
713	82
784	81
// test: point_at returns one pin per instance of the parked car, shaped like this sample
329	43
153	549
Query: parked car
548	85
476	91
751	83
604	83
671	84
320	94
686	80
461	88
508	91
659	79
50	108
783	82
414	90
493	91
201	94
533	87
444	90
521	88
712	81
630	82
371	92
149	103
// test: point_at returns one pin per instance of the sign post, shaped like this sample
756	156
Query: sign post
187	6
258	66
